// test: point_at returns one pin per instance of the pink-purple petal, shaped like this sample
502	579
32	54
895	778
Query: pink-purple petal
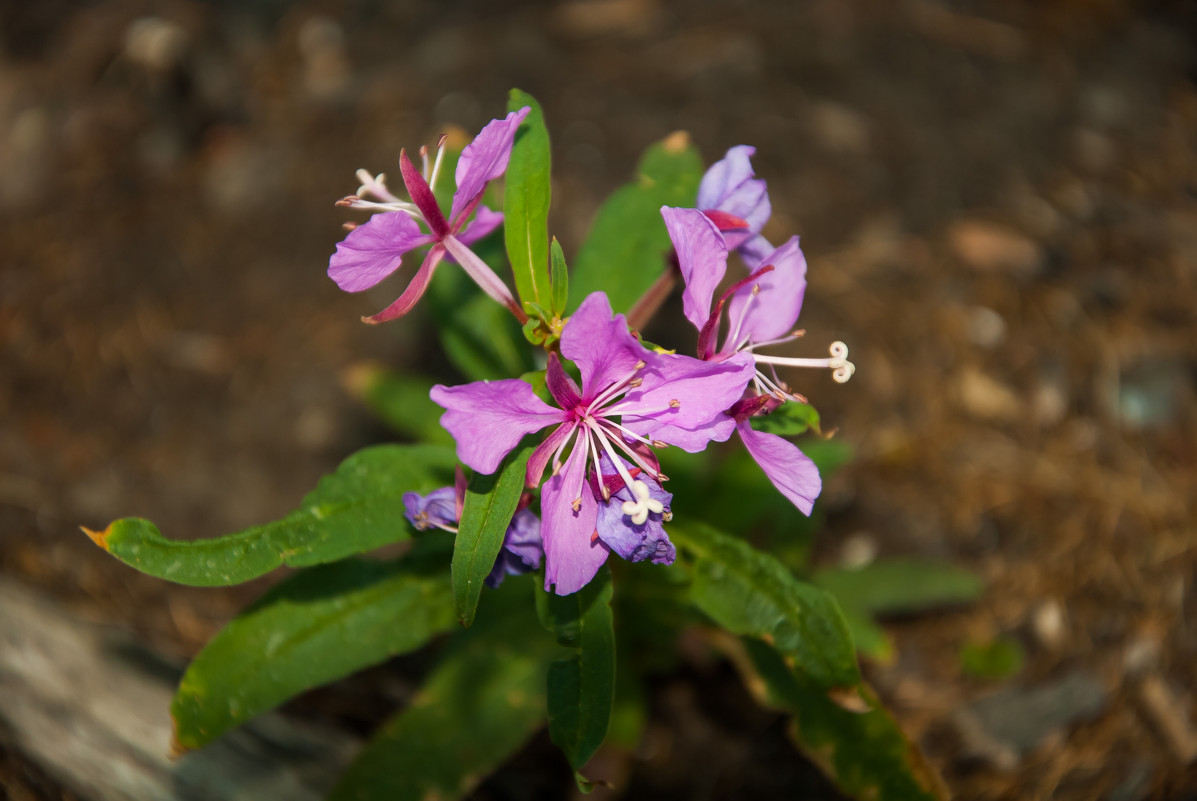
703	391
729	185
483	160
773	312
489	418
572	554
701	256
790	470
374	249
601	346
485	221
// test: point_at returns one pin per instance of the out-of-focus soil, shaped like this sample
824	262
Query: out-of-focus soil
998	202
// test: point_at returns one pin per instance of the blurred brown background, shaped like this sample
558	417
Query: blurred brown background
998	201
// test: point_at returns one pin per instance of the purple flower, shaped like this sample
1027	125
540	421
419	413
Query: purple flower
630	521
762	310
522	549
437	509
657	398
374	250
441	508
729	191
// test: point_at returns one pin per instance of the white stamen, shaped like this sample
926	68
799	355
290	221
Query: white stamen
613	389
841	368
436	166
424	159
639	509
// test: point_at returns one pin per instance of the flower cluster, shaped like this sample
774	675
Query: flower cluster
604	490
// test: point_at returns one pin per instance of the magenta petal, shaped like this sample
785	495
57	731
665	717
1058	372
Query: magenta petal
790	470
374	249
703	391
485	221
489	418
483	160
415	288
601	346
572	554
773	313
563	389
729	186
701	256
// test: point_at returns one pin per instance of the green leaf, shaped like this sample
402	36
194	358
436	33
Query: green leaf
526	195
1001	658
312	628
628	245
400	400
581	688
477	708
559	275
788	420
490	503
864	753
751	593
900	586
358	508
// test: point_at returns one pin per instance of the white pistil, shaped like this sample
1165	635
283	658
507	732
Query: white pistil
639	509
615	460
841	368
632	454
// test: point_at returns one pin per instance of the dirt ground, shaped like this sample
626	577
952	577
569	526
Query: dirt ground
998	202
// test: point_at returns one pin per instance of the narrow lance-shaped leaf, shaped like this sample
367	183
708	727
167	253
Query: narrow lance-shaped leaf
865	753
560	279
358	508
315	627
581	688
490	503
526	196
751	593
628	247
477	708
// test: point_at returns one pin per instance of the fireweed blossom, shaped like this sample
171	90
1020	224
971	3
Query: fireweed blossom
762	310
738	203
441	509
657	398
374	250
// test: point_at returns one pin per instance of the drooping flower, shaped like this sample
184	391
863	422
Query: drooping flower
762	310
656	398
630	521
375	249
441	508
737	202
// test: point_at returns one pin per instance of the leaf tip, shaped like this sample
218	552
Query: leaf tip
99	537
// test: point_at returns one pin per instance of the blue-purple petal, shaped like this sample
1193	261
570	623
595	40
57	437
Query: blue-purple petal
728	185
521	551
437	509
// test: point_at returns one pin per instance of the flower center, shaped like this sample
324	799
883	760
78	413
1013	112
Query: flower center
639	508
